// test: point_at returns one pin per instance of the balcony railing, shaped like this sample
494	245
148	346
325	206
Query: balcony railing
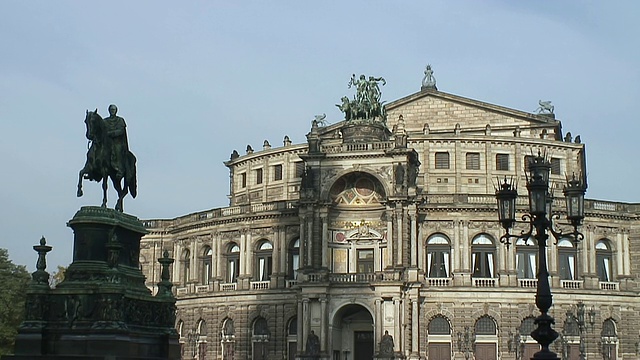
352	278
608	285
229	287
203	288
528	283
439	282
291	283
571	284
182	291
484	282
260	285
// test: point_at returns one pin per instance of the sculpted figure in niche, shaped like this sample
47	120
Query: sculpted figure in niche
313	344
386	344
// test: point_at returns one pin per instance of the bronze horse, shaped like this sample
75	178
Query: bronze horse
99	166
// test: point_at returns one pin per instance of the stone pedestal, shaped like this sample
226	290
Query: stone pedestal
102	310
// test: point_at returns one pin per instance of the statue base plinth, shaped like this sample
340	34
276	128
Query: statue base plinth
364	131
102	310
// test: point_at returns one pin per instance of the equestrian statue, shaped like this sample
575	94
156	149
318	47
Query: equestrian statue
109	156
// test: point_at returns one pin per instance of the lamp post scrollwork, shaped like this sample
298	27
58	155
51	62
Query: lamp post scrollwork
466	342
541	221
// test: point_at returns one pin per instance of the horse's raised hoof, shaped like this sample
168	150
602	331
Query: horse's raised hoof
80	193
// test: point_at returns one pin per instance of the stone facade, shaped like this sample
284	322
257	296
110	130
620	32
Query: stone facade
396	230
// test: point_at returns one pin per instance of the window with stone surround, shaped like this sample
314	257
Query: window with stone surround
473	161
442	160
483	251
502	162
526	258
233	262
567	259
258	176
555	166
206	265
277	172
603	260
264	264
294	259
438	256
439	325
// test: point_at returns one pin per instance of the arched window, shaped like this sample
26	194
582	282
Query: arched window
186	266
609	340
483	256
485	325
206	265
292	332
228	339
233	262
526	258
609	328
201	340
439	325
294	259
259	339
180	327
438	256
527	325
603	259
263	257
567	259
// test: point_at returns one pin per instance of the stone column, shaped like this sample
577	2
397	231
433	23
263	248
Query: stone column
299	337
379	318
303	239
325	235
399	243
413	236
220	258
276	274
323	324
310	239
176	266
397	324
415	326
627	255
306	323
620	255
390	238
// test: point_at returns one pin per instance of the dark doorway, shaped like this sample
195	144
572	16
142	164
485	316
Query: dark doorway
363	345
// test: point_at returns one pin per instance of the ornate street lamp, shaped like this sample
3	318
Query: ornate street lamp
541	221
466	342
516	343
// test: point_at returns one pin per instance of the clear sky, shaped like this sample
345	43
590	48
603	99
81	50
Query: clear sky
197	79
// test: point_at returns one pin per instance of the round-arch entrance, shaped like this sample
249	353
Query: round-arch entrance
352	335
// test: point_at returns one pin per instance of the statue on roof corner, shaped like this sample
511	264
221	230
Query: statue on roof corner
545	107
366	104
109	156
429	81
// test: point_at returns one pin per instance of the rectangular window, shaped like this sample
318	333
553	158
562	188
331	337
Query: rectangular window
442	160
365	261
243	180
473	161
299	169
555	166
258	176
277	172
527	161
502	162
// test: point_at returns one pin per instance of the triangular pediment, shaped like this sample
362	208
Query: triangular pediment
432	111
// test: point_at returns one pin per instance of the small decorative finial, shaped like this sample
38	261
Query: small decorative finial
41	277
164	286
429	81
249	149
266	145
286	141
